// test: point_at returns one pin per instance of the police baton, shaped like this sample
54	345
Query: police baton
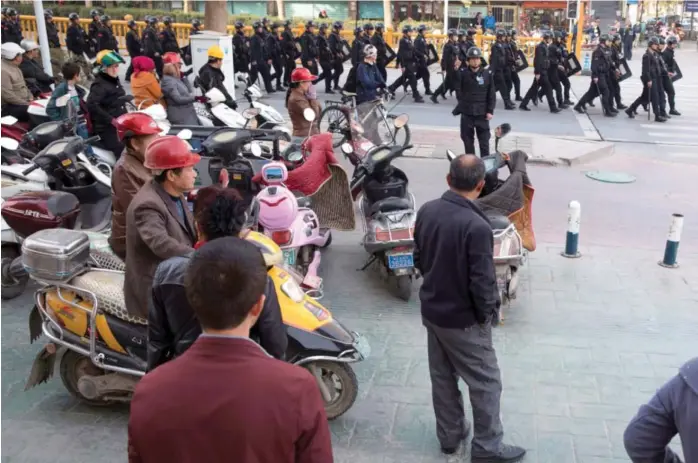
649	106
603	107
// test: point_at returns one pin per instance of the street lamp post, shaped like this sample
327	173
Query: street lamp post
42	37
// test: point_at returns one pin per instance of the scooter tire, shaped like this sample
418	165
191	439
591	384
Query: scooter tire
350	387
404	287
15	288
72	367
329	240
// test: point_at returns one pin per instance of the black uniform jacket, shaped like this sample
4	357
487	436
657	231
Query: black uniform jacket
454	253
476	92
172	324
541	62
76	39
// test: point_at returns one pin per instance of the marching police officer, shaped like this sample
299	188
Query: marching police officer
93	31
168	38
309	49
600	68
133	45
77	43
368	30
54	44
421	49
564	67
241	49
357	47
476	102
668	56
152	48
326	58
195	27
555	56
613	76
105	36
378	41
260	59
498	63
407	61
336	45
288	52
274	46
11	30
650	77
469	42
449	58
541	64
514	47
463	46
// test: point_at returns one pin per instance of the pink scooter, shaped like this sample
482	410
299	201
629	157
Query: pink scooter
289	221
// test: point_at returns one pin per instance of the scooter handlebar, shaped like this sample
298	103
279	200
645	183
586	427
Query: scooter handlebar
30	170
93	139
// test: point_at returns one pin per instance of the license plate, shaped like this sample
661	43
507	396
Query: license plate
362	346
400	260
290	256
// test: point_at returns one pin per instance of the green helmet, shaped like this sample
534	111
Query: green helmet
107	58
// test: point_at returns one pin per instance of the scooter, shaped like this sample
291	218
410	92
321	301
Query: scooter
388	212
268	116
508	206
82	313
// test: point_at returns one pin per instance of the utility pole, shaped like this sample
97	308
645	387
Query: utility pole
42	37
280	8
445	17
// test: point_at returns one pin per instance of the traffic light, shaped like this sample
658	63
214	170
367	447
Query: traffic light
571	9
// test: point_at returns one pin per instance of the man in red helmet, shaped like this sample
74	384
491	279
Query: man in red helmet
159	224
135	131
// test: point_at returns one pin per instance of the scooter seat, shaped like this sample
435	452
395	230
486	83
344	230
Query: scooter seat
499	222
61	203
109	289
102	253
390	205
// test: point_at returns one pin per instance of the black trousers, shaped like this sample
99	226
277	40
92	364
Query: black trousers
423	73
311	67
628	50
338	69
555	83
668	87
516	83
469	126
18	111
649	95
129	71
261	68
289	66
326	74
409	76
599	88
382	70
109	140
278	70
158	64
565	81
614	87
500	84
507	80
542	83
659	83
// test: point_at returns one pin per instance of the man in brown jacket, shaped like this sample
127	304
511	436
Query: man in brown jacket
159	224
15	97
135	131
225	399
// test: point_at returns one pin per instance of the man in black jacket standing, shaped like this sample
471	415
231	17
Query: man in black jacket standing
449	58
459	299
514	52
498	63
93	30
337	48
541	64
600	67
133	45
168	37
650	76
326	57
11	30
309	48
152	48
378	41
476	101
241	49
260	59
273	44
668	56
288	51
407	61
77	42
421	49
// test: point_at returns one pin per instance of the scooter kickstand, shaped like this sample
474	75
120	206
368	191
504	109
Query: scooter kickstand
370	261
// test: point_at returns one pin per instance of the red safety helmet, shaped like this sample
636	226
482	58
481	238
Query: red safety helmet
135	124
169	152
302	75
171	57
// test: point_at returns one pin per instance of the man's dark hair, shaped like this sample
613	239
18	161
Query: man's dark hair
224	279
219	212
162	176
70	70
467	171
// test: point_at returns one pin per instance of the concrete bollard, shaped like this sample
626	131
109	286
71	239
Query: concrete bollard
671	249
572	240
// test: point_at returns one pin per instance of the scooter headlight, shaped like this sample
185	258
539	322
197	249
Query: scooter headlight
293	291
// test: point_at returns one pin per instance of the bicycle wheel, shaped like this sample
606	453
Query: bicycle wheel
334	121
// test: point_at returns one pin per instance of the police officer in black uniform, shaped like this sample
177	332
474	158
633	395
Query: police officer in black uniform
555	56
600	67
541	64
498	63
93	31
668	56
616	49
651	75
407	61
337	49
476	102
564	67
664	74
105	36
368	30
326	58
463	46
260	58
77	43
273	43
309	49
195	27
168	38
514	49
266	23
54	44
357	48
133	45
288	52
152	47
241	49
11	30
421	49
378	41
469	43
449	57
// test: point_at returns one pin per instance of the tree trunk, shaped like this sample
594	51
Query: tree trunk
216	16
88	3
186	6
280	8
387	14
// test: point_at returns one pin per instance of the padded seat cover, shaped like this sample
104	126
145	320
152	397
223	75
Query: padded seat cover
390	204
109	289
102	253
499	222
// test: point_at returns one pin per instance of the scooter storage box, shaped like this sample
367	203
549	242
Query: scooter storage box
392	187
56	255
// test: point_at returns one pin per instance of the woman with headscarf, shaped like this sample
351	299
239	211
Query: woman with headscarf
144	83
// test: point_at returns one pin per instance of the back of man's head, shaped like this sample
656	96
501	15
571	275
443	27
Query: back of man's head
467	174
225	281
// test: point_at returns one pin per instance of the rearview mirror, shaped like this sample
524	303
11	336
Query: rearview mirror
185	134
250	113
256	149
451	155
309	114
501	130
9	143
401	121
347	148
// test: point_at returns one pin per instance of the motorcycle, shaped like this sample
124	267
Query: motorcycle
388	212
508	206
82	313
80	198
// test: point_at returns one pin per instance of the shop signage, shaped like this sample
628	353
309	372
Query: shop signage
690	6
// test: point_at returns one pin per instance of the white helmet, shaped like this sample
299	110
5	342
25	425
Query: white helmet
29	45
10	50
370	51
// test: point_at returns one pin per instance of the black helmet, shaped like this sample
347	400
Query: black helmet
653	41
152	20
380	26
48	14
461	33
166	20
275	25
256	25
662	40
239	24
452	32
501	33
73	16
604	38
338	25
406	29
4	10
473	52
358	30
195	22
265	20
287	23
323	26
471	32
310	24
104	18
11	12
512	33
671	40
547	35
616	37
94	13
131	23
368	27
421	28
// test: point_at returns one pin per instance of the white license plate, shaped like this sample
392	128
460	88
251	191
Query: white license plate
290	256
400	260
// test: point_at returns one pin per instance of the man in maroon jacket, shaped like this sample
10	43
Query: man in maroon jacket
225	399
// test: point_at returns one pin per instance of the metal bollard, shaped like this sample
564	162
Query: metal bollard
572	240
672	242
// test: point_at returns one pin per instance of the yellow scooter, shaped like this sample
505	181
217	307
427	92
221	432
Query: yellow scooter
80	308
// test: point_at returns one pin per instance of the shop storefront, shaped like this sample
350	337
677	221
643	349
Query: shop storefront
552	14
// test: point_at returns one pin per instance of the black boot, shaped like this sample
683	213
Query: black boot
591	103
579	109
674	112
630	112
509	105
428	92
434	97
518	98
329	91
523	107
659	119
418	98
621	106
555	110
665	115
